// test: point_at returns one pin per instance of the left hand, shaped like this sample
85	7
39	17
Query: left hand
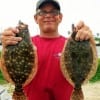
83	32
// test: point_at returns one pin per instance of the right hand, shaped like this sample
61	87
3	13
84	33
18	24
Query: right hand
8	37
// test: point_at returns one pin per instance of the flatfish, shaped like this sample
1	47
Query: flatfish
19	62
78	63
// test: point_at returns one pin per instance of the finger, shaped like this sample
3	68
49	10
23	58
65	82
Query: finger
11	38
15	38
80	25
78	35
6	40
15	30
83	35
9	42
10	31
86	37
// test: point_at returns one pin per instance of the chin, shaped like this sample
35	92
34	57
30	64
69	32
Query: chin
49	29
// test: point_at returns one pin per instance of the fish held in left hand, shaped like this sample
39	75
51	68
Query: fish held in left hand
19	62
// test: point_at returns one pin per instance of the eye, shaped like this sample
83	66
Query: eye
55	12
41	13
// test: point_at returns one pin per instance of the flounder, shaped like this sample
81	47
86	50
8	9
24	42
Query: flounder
78	63
19	62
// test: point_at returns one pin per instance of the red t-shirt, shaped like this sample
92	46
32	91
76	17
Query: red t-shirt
49	82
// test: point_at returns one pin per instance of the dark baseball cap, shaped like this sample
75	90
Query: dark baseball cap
41	3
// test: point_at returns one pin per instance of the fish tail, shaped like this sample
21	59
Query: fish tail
19	96
77	94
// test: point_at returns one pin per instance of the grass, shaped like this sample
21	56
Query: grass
97	75
2	80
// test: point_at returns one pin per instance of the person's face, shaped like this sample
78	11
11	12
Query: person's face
48	18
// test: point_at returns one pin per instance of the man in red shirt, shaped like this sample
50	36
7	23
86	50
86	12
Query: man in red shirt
49	83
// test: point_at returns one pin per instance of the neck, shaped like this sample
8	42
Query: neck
49	34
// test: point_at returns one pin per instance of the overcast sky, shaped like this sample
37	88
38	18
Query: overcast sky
11	11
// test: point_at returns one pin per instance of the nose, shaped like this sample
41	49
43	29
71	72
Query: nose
48	15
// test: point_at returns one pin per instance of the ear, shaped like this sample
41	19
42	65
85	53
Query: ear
60	17
35	18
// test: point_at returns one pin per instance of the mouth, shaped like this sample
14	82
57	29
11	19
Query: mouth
48	21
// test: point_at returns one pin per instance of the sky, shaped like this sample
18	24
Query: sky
11	11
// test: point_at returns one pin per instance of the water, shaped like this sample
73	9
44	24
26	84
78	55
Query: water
98	51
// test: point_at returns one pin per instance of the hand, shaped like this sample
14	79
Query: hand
83	32
8	37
